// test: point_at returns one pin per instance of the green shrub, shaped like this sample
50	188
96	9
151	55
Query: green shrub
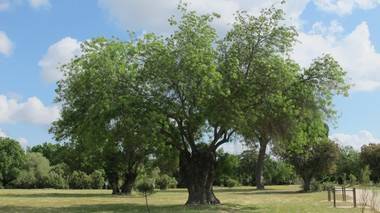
327	186
56	181
25	180
315	186
165	181
352	180
229	182
145	186
172	183
80	180
97	179
366	173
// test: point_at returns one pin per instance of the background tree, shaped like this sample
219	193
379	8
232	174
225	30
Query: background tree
370	155
12	158
311	152
35	171
348	163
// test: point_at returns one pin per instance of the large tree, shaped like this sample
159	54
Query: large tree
103	109
186	88
370	155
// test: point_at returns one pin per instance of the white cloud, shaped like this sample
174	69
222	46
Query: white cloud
2	134
355	52
31	111
152	15
39	3
4	5
57	55
23	141
363	137
344	7
5	44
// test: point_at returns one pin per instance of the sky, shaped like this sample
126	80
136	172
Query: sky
37	36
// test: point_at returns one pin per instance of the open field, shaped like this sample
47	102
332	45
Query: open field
240	199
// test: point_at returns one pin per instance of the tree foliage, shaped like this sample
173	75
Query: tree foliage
12	159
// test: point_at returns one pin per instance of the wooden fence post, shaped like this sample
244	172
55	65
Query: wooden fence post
334	197
354	196
344	193
329	195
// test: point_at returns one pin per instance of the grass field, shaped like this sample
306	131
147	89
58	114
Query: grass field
239	199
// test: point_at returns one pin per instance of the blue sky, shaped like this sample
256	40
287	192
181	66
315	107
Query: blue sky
38	35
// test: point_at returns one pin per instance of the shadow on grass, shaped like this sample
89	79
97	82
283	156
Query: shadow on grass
130	208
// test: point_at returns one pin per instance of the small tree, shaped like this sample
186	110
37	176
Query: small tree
365	178
311	152
146	187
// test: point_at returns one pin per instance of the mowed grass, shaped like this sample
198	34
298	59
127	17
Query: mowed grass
239	199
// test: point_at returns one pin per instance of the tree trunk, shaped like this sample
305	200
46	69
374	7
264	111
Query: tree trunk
306	183
260	164
129	180
198	171
113	179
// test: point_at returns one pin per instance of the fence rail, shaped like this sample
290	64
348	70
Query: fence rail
344	191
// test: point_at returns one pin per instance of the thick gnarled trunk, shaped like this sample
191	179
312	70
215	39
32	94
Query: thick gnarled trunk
198	171
260	164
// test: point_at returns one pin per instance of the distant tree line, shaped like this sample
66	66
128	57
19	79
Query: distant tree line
63	167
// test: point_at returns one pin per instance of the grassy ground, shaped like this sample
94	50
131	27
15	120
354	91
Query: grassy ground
239	199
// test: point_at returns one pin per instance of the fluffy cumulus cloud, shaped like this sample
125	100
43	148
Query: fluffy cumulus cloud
355	140
31	111
354	51
152	15
57	55
5	44
39	3
344	7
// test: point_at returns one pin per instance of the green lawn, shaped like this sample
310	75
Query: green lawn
239	199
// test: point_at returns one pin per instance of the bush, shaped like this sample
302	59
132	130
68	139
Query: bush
97	179
145	186
165	181
80	180
352	180
229	182
173	183
56	181
315	186
326	186
366	173
25	180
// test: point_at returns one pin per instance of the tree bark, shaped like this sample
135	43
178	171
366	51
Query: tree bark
129	180
306	183
260	164
113	179
198	171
